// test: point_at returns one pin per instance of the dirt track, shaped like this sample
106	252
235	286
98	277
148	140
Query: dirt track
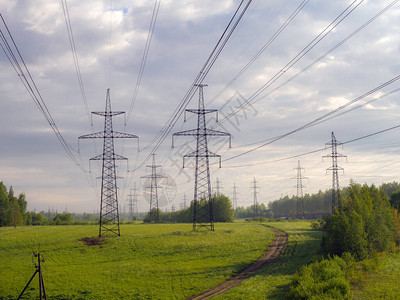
274	251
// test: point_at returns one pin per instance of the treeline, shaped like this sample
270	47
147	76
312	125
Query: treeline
315	205
222	210
364	224
12	208
253	211
55	218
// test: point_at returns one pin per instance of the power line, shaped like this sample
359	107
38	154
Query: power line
145	54
263	48
318	120
351	35
315	151
15	58
230	28
75	56
328	29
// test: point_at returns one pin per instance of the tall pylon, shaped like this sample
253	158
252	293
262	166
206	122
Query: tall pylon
255	187
132	204
299	186
234	196
217	187
202	202
153	200
335	168
109	215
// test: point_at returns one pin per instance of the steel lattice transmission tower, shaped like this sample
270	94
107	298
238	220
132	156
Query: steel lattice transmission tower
109	215
299	186
234	196
217	188
335	168
132	202
154	177
202	202
255	187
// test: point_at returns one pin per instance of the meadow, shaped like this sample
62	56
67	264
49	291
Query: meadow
154	261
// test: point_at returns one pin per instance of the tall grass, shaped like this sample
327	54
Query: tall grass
155	261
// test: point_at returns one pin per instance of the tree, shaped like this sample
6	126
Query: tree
154	216
4	206
395	200
223	211
364	225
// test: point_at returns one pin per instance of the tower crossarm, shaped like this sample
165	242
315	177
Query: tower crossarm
201	111
108	113
96	135
121	135
186	132
113	157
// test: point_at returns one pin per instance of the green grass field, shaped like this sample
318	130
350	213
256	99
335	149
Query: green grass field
156	261
167	261
382	283
273	282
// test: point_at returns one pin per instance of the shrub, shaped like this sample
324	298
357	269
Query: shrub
325	279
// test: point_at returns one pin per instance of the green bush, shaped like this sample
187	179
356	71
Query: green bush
325	279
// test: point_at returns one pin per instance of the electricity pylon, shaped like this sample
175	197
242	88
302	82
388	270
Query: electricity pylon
202	202
132	204
109	215
218	187
255	187
234	196
154	189
335	168
299	186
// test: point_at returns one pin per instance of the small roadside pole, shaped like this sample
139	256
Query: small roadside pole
42	291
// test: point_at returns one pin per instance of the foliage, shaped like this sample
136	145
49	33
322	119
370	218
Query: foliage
154	216
390	188
325	279
314	205
319	204
260	210
363	225
395	199
222	209
12	209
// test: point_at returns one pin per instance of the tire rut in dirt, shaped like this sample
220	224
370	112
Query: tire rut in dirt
273	252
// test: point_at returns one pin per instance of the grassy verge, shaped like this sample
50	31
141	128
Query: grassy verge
381	283
156	261
274	281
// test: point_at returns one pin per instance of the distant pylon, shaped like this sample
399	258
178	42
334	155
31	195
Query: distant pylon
132	204
109	216
154	177
255	187
234	196
299	186
217	188
335	168
202	203
184	201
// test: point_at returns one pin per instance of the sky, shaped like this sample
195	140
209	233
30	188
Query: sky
286	87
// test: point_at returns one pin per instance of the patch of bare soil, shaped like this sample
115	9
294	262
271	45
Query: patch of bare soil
93	241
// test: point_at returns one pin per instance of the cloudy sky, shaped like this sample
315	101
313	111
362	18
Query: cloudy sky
263	62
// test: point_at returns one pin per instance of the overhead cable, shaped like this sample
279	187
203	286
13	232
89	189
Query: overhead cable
144	58
314	122
15	58
163	133
328	29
